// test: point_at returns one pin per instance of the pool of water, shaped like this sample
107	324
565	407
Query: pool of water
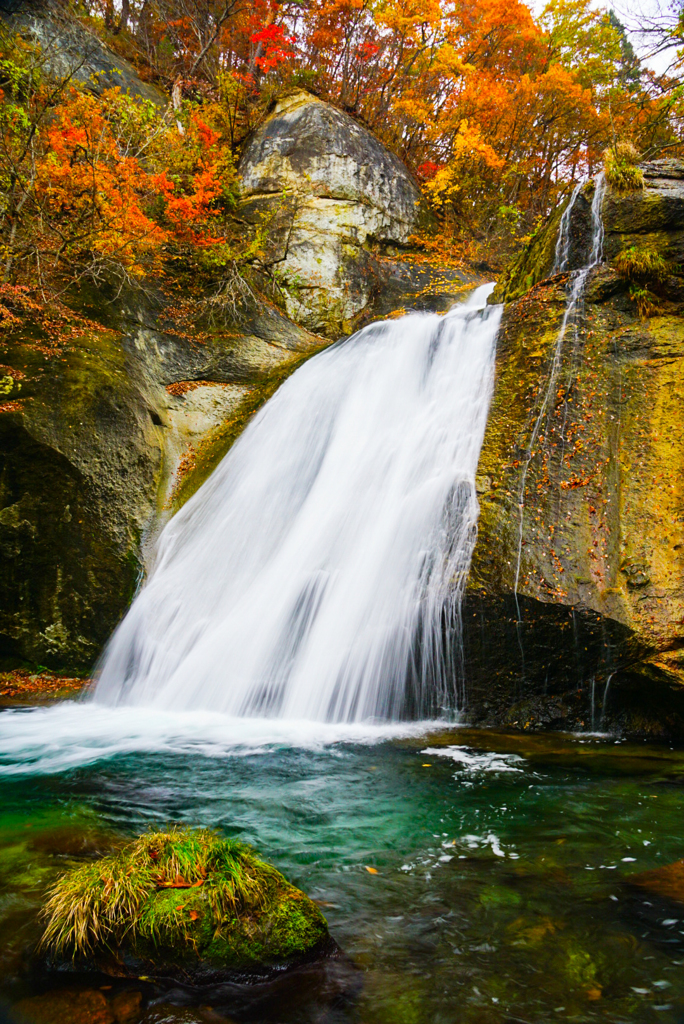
468	876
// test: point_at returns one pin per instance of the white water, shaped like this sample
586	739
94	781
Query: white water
562	253
317	573
573	309
74	734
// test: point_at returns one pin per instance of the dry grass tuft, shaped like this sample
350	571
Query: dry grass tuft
620	163
98	905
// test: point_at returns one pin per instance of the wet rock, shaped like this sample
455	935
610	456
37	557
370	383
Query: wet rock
185	906
66	1007
95	435
126	1007
594	537
666	882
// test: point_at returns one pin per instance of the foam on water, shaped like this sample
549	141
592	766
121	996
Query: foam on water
74	734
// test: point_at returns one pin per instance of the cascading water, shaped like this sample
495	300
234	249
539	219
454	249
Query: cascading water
562	253
573	307
318	573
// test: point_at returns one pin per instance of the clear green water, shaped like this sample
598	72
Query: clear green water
500	892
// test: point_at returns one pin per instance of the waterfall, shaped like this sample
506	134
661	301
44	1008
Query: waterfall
562	253
318	573
573	308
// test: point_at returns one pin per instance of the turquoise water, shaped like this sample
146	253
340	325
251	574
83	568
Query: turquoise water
499	884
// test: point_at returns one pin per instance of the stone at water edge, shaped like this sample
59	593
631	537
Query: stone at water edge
667	882
74	1006
206	910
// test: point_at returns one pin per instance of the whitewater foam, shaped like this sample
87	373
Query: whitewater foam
75	734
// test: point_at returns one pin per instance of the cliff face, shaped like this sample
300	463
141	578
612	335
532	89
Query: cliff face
69	49
592	521
92	431
112	418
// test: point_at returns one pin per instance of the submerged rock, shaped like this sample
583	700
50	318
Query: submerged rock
666	882
184	904
589	514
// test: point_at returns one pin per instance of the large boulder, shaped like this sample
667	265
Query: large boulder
592	524
334	203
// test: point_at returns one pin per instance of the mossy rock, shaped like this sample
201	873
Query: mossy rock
185	904
574	611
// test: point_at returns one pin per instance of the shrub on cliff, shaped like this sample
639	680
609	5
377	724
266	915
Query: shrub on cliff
620	163
644	268
108	186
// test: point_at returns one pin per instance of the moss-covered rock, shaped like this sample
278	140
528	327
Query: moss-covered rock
99	415
591	523
184	903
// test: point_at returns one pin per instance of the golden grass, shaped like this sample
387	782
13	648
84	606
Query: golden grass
98	905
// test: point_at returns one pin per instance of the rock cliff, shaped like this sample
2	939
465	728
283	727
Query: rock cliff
69	49
93	430
111	418
590	517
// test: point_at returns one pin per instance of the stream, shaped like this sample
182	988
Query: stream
468	876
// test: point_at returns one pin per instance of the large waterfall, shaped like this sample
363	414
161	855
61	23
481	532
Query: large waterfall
318	573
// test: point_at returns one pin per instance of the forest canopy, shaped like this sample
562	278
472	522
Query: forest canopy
496	111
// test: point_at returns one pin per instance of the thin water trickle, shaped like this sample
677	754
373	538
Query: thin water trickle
605	700
573	307
562	253
318	573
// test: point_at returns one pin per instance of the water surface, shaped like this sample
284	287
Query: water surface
498	888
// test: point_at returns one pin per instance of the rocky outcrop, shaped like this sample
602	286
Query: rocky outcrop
69	49
589	517
336	207
93	431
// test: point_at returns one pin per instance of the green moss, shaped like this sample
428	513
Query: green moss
183	896
534	262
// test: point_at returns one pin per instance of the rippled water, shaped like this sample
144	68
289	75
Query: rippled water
499	889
